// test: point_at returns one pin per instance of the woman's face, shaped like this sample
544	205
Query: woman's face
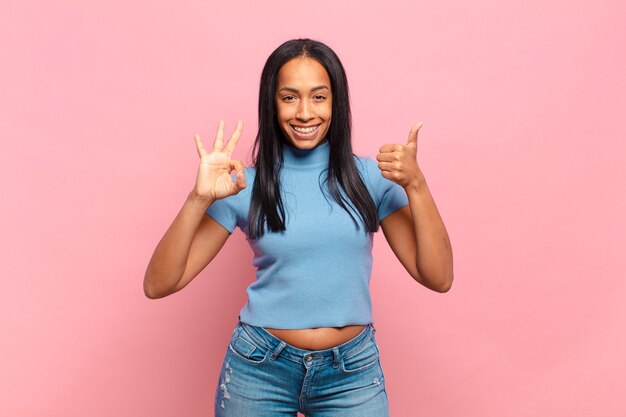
304	102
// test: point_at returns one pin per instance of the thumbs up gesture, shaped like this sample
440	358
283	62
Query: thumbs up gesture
398	163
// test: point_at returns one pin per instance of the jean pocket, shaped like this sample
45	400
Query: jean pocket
245	348
363	357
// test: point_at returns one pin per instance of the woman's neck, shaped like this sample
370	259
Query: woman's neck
302	158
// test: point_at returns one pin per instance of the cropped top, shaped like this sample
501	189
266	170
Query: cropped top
316	273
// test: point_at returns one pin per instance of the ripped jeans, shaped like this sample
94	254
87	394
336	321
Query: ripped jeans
263	376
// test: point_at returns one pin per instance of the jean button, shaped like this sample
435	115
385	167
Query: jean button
308	358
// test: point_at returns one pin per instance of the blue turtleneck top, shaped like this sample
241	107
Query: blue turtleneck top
316	273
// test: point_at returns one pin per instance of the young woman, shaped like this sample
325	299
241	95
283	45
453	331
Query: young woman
309	207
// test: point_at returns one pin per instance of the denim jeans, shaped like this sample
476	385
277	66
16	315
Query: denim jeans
263	376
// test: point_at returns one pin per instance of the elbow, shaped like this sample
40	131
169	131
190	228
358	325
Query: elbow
149	292
438	284
152	291
153	294
445	287
148	287
445	283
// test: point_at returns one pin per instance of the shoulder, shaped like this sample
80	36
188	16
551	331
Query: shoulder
249	172
368	168
372	176
365	163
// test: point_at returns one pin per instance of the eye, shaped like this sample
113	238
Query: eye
288	99
319	97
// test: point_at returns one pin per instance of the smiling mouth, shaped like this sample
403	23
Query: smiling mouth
305	130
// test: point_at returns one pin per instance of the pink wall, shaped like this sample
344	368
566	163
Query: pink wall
523	146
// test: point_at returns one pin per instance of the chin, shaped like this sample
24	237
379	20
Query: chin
304	144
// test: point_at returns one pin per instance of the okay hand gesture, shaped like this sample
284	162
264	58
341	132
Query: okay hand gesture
398	163
214	180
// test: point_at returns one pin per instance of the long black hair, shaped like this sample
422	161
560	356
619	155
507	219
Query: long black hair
267	205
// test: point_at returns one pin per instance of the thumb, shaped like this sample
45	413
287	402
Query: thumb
413	134
240	183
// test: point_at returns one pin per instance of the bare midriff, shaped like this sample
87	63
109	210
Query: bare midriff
317	338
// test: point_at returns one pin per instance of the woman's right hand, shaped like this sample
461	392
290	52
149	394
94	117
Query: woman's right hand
214	180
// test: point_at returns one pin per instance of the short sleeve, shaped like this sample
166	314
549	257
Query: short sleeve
388	196
224	211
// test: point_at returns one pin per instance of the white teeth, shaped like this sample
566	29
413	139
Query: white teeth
304	130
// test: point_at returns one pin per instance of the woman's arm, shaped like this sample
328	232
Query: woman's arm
422	246
416	233
188	246
193	239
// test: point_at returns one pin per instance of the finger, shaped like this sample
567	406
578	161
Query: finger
413	133
199	145
240	184
387	174
391	147
234	138
219	139
387	157
386	166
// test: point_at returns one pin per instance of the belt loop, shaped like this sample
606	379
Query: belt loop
337	357
278	349
373	328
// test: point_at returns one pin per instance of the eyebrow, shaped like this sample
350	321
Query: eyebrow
295	90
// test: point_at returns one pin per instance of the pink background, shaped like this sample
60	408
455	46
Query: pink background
523	147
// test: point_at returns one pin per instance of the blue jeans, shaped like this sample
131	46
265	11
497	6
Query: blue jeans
263	376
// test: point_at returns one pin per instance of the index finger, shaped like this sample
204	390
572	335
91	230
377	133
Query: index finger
234	138
199	145
390	147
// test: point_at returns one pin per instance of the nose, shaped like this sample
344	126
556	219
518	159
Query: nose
304	111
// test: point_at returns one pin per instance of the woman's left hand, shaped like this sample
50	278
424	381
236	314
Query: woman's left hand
398	163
